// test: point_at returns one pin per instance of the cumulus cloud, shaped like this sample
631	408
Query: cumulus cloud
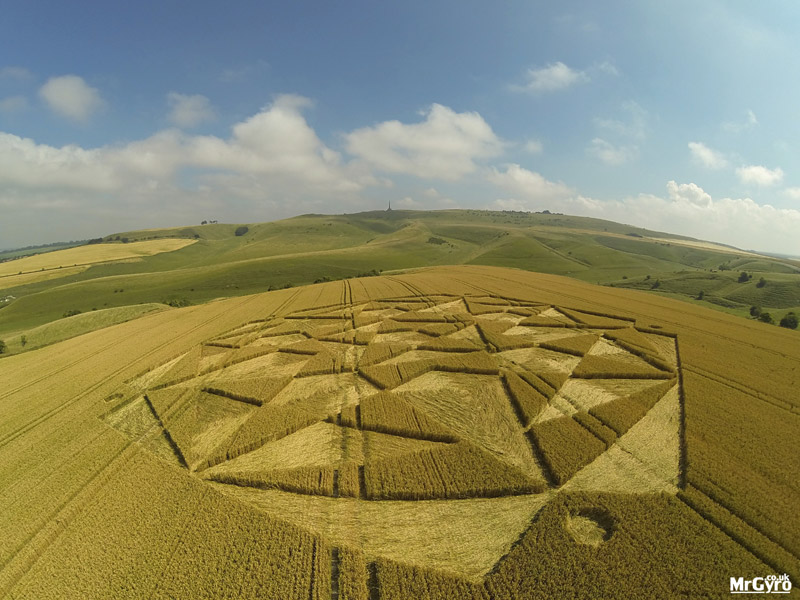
445	145
632	125
189	111
792	192
13	104
533	146
554	77
27	164
527	184
759	175
607	67
707	157
70	96
748	122
611	154
688	192
686	209
271	164
626	133
740	222
277	144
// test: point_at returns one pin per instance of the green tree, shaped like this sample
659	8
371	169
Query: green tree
701	295
177	302
766	317
755	311
2	346
23	340
743	277
789	321
240	231
761	283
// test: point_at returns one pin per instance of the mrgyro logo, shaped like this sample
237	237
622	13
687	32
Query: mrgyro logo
771	584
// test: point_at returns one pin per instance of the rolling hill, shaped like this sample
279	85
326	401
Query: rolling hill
219	263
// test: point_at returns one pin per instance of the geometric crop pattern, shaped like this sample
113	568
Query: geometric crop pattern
420	398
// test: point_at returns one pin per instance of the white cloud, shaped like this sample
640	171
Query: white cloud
445	145
71	97
793	193
25	164
611	154
626	133
748	122
607	67
707	157
740	222
688	192
634	125
533	146
528	184
20	73
759	175
271	165
189	111
688	210
277	144
555	76
409	203
13	104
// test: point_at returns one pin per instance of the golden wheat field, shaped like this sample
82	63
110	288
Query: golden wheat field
456	432
53	265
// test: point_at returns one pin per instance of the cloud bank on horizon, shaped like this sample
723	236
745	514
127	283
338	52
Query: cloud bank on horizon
90	146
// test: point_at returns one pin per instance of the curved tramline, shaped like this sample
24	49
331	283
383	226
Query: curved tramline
464	432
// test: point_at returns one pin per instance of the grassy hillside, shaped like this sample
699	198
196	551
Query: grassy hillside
312	248
456	432
73	326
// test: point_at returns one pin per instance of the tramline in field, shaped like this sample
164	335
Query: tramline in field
459	432
511	399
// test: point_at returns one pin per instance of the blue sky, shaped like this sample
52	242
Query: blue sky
680	116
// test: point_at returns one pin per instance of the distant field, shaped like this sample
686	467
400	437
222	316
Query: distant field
707	246
22	271
466	432
13	281
37	249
